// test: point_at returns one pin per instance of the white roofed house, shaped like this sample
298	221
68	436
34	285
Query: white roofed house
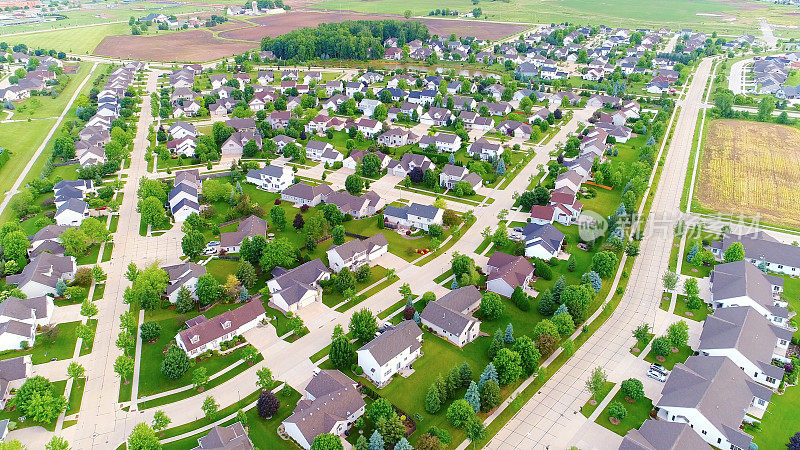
331	404
414	215
182	275
451	315
182	129
506	272
42	274
474	121
748	339
443	142
740	283
392	351
91	155
322	152
205	334
291	290
356	253
713	396
185	146
452	174
271	178
542	241
570	179
249	227
368	105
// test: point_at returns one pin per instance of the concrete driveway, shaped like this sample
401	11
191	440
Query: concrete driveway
317	315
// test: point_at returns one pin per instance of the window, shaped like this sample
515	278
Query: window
704	432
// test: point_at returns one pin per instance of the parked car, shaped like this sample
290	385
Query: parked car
659	368
656	375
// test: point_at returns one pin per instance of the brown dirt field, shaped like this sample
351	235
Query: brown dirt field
283	23
186	46
750	168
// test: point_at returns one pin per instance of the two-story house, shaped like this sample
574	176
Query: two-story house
391	352
414	215
271	178
356	253
451	315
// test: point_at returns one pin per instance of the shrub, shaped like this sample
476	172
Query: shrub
617	410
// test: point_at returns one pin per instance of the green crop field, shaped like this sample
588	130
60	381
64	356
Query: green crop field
73	40
726	17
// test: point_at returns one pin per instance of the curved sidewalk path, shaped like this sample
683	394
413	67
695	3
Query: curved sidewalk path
551	419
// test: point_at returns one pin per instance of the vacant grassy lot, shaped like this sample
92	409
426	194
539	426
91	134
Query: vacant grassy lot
750	168
81	40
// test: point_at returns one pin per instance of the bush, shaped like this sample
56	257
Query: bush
150	331
633	389
617	410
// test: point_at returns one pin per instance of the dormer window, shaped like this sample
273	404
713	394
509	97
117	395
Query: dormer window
226	324
195	339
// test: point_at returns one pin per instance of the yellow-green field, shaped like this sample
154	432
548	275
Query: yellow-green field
73	40
750	168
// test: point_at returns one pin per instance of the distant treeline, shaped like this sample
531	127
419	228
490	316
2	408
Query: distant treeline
361	39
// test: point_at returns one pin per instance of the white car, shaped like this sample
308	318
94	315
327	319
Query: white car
656	375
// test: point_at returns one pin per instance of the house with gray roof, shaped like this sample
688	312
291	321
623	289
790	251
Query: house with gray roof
408	162
485	149
182	275
414	215
291	290
391	352
232	437
542	241
740	283
331	404
72	212
357	252
357	206
249	227
271	178
506	272
761	247
208	334
663	435
451	316
42	273
452	175
748	339
13	373
713	396
305	194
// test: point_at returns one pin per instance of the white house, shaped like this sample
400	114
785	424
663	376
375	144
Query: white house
202	334
389	353
42	274
356	253
740	283
13	373
485	150
761	247
291	290
443	142
331	404
507	272
304	194
542	241
271	178
451	316
19	319
182	275
414	215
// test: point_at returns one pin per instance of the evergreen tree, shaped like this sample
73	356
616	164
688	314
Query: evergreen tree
489	373
452	159
692	251
558	288
416	317
490	395
376	441
432	400
509	336
473	396
403	444
571	263
361	443
465	372
501	167
546	303
562	309
454	284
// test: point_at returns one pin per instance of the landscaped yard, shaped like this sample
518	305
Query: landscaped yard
681	309
402	246
58	387
76	396
588	408
56	344
331	297
780	420
87	345
637	413
673	358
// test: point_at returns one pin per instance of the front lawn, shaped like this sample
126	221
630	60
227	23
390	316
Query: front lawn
673	358
331	297
90	257
54	345
681	309
76	396
780	421
402	246
587	409
638	412
58	387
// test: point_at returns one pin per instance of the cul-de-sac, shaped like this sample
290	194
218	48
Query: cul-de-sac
399	225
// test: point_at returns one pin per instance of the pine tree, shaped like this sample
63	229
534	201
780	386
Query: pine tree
489	373
561	310
454	284
465	372
473	396
361	443
416	317
501	167
494	347
403	444
558	288
452	159
376	441
692	251
432	400
571	263
490	395
509	337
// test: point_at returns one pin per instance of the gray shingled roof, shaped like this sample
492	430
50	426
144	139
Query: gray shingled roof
551	237
761	245
350	248
211	329
394	341
739	279
24	309
45	268
512	269
663	435
232	437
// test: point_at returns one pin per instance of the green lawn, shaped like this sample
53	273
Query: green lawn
638	412
87	346
76	396
90	257
780	420
587	409
58	386
57	344
20	139
673	358
696	314
332	297
38	107
401	246
107	251
99	290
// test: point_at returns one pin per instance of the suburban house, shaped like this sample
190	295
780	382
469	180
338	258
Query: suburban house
297	288
452	174
408	162
485	150
542	241
358	206
356	253
740	283
663	435
355	157
451	316
748	339
249	227
506	272
72	212
42	274
181	129
234	436
304	194
515	129
47	239
570	179
760	246
473	121
234	145
202	334
271	178
182	275
397	137
331	404
565	206
542	214
323	152
435	116
13	373
369	127
389	353
183	146
19	319
443	142
414	215
713	396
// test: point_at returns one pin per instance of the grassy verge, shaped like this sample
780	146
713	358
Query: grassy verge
637	413
588	408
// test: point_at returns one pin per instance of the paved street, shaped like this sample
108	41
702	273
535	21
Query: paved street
551	419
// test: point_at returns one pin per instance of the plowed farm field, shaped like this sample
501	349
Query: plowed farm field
752	169
184	46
